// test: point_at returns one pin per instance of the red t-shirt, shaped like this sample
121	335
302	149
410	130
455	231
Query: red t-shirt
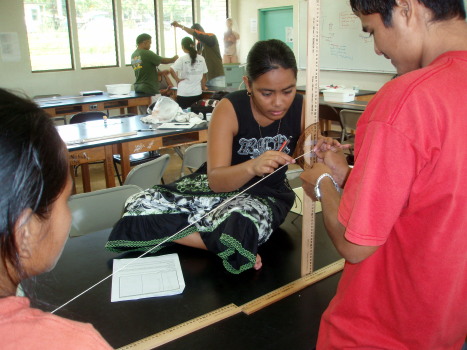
22	327
407	194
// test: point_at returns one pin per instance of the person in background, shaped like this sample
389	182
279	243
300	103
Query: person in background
165	84
208	47
145	63
230	43
34	225
246	132
189	72
401	222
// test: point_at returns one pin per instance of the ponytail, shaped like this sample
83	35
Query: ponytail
189	45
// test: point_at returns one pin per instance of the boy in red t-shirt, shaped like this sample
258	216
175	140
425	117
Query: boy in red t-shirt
401	222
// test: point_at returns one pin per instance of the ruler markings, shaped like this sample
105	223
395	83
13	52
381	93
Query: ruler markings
184	328
292	287
311	121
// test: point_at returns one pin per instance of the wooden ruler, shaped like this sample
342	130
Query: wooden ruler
311	122
184	328
292	287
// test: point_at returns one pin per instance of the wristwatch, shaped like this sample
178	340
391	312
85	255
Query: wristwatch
318	191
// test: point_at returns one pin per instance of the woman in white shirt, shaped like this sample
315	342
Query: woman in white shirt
189	71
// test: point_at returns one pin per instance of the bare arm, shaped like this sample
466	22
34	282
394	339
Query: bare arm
174	75
166	60
224	177
330	200
186	29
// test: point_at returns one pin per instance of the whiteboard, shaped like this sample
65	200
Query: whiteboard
343	45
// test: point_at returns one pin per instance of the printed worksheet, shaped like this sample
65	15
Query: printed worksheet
148	277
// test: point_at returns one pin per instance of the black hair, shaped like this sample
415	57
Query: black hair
142	38
267	55
442	9
34	168
198	27
189	45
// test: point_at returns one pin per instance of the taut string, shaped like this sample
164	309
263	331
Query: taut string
168	238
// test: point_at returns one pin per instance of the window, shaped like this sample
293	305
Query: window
213	15
138	18
96	33
182	12
49	30
48	34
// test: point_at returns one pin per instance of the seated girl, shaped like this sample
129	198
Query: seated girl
246	132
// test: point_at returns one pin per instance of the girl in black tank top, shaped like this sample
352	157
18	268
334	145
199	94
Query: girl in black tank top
253	123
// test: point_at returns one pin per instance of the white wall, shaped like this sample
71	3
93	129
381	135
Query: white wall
17	75
244	11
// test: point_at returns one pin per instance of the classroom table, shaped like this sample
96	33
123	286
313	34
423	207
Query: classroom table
289	323
69	105
99	140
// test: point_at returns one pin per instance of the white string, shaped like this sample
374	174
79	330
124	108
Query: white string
168	238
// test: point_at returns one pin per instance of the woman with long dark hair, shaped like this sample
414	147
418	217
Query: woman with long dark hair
246	132
189	71
34	224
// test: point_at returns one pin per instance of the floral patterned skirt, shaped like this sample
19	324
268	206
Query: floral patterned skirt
230	225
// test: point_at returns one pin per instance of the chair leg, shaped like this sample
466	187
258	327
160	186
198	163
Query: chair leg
118	173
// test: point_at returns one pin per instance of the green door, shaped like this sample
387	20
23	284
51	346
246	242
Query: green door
276	23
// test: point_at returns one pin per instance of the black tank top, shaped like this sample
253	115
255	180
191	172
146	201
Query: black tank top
250	142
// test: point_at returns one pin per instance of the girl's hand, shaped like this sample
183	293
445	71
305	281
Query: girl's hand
269	161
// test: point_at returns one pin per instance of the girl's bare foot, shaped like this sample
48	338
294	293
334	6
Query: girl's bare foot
258	263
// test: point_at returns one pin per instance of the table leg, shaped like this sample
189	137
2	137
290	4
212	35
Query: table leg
124	151
108	167
86	177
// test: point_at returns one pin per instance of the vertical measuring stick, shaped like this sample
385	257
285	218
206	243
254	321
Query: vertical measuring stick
311	123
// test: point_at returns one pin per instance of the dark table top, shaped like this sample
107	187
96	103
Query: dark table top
59	101
289	323
114	130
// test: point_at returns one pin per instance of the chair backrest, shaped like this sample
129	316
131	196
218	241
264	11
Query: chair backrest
82	117
194	157
349	119
148	174
98	210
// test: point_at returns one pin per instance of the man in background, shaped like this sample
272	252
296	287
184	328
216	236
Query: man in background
145	63
208	47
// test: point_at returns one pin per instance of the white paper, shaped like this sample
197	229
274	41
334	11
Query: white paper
148	277
9	47
253	25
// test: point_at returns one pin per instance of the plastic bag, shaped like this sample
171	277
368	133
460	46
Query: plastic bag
165	109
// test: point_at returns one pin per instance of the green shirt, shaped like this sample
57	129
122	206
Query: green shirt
144	63
211	54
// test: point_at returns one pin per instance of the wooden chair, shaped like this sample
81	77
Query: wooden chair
83	117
